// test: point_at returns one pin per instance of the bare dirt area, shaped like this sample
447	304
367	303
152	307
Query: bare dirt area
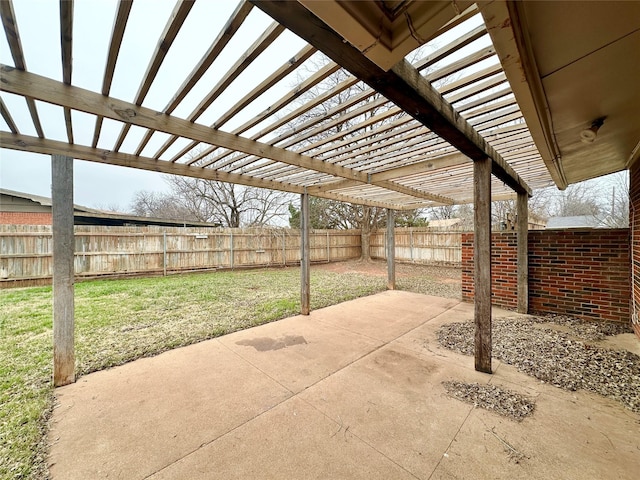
440	281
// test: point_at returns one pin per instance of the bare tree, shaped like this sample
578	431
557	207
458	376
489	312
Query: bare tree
230	205
161	205
616	209
214	202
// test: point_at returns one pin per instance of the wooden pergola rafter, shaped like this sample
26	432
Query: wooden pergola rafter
379	134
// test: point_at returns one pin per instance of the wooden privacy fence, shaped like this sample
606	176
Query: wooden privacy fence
26	251
420	245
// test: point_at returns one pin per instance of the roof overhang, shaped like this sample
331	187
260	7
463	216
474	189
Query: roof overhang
572	65
386	31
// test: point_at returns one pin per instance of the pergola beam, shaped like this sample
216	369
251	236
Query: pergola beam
391	250
482	264
51	91
117	34
28	143
305	251
522	207
403	85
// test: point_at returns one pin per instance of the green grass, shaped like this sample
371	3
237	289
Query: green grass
121	320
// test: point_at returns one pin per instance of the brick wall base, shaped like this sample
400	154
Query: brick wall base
585	273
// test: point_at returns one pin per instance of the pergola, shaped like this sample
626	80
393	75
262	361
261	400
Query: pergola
439	125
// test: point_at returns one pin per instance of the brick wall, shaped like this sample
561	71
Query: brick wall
634	227
25	218
504	281
576	272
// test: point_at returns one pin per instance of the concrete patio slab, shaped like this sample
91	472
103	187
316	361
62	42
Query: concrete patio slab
130	421
566	438
298	352
351	391
395	402
294	440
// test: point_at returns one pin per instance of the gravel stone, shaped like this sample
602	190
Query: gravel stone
491	397
564	359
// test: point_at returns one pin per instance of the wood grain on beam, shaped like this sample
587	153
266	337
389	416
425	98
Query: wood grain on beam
522	206
482	264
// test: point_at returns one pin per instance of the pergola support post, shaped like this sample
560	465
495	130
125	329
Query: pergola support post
305	277
482	263
523	261
63	271
391	250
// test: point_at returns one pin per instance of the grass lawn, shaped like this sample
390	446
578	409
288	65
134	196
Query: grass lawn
120	320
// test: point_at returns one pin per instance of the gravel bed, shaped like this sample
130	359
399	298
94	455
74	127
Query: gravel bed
491	397
564	359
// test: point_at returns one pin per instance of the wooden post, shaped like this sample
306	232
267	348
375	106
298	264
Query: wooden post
482	263
231	250
328	249
63	250
391	250
304	255
284	248
523	261
411	243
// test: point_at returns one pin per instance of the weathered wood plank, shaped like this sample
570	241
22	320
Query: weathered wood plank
4	111
226	34
523	250
28	143
66	45
117	33
169	34
15	45
63	272
482	263
259	46
305	275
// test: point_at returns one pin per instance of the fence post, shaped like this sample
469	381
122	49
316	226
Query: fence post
284	248
328	249
411	243
231	250
164	253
